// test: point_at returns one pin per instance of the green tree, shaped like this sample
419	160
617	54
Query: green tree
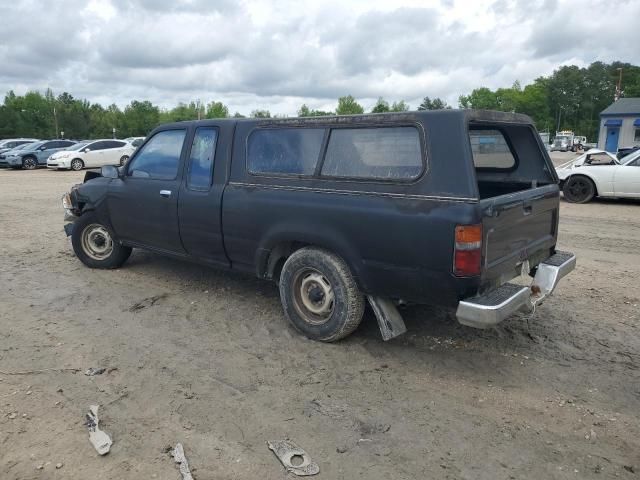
435	104
305	111
139	119
400	106
217	110
381	106
348	106
261	114
480	99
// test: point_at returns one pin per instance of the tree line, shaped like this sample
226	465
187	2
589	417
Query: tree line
571	98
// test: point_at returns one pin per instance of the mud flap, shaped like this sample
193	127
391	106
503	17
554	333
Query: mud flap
68	229
389	319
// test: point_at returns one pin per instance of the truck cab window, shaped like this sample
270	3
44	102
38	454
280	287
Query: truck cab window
160	157
201	158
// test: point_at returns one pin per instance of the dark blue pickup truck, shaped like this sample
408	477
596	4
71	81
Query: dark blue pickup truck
451	208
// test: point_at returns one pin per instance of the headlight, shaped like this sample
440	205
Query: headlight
66	201
63	155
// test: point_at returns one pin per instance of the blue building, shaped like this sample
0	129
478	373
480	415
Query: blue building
620	125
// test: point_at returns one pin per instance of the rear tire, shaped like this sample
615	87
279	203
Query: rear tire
29	163
95	245
123	160
578	189
319	295
77	164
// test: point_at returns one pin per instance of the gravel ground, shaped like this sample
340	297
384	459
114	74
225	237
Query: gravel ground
206	358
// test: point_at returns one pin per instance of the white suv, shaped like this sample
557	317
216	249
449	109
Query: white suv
95	153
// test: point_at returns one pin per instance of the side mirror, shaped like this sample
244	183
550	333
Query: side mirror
42	148
109	171
86	150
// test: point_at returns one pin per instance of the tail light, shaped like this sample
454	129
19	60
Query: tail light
468	250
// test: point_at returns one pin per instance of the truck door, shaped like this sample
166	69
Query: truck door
143	204
200	199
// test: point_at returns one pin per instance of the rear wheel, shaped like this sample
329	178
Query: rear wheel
123	159
578	189
319	295
29	163
94	244
77	164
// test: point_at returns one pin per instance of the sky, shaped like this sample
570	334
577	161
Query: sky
279	54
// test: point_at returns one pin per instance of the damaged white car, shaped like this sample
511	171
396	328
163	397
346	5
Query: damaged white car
598	173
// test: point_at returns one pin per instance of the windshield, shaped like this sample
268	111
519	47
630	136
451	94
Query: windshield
630	158
21	147
33	146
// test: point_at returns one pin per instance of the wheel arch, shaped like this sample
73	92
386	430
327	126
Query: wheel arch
586	175
277	247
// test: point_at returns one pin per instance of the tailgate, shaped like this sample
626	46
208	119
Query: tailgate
518	227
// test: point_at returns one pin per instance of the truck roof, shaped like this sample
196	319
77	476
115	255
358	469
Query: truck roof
429	115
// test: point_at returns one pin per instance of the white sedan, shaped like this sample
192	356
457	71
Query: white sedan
95	153
600	174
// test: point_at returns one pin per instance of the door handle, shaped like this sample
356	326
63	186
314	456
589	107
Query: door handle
165	193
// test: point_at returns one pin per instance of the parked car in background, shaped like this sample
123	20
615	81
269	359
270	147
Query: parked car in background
135	141
598	173
35	154
8	153
96	153
11	143
623	152
61	157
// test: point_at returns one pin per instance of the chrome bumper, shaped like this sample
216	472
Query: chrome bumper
491	308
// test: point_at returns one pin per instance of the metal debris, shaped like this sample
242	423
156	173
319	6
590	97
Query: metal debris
90	372
179	457
99	439
286	450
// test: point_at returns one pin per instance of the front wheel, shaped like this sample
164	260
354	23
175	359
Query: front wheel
578	189
94	244
77	164
29	163
123	160
319	295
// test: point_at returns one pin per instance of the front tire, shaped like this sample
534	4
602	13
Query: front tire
578	189
319	295
77	164
123	160
29	163
95	245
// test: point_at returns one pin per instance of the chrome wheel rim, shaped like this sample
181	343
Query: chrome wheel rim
313	296
123	160
97	242
29	163
76	165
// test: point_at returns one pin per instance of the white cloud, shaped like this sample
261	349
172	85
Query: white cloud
280	54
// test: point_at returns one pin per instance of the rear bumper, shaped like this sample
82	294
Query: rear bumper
492	308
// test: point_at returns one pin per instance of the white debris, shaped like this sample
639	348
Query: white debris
179	457
286	451
99	439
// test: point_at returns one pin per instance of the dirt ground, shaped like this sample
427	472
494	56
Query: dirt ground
206	358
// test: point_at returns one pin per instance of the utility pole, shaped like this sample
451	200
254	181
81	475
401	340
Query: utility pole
55	120
619	86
